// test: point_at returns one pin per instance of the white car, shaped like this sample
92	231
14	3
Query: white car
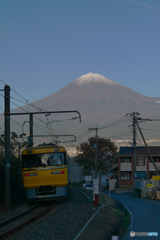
88	186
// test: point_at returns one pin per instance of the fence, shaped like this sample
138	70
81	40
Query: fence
147	188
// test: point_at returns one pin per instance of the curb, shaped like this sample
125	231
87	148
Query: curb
115	227
89	200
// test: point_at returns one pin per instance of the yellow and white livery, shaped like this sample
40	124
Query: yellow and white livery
45	171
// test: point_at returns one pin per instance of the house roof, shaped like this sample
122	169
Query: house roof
140	151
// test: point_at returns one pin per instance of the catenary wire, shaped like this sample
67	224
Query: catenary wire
117	122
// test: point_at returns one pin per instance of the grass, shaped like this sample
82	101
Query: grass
106	220
123	225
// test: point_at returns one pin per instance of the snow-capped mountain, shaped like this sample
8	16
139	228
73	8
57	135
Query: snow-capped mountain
98	99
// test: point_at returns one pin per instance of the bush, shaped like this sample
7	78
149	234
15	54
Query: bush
16	183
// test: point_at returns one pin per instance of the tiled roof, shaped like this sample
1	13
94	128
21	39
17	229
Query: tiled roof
140	151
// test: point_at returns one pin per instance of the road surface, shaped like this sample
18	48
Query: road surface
145	215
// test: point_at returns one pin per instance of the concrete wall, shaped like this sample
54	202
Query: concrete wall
112	184
74	172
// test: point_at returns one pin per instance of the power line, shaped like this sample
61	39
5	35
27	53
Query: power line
22	96
83	136
51	131
150	130
41	128
11	118
122	134
119	121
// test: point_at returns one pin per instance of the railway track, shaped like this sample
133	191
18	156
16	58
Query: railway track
28	216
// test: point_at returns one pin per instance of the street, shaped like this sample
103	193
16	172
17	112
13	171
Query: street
145	214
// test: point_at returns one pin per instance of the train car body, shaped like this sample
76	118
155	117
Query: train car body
45	171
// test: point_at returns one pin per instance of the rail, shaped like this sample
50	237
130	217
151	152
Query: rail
30	220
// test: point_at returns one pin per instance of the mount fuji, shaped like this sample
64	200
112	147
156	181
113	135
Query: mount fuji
98	99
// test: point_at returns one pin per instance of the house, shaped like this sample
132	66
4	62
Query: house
144	167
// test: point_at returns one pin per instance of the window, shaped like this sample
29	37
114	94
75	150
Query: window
43	160
125	160
140	161
156	159
126	175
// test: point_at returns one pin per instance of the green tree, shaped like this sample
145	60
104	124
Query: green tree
15	143
106	152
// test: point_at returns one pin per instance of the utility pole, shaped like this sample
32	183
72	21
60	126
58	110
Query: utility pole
19	150
31	129
56	140
95	147
7	146
96	153
95	181
147	149
134	141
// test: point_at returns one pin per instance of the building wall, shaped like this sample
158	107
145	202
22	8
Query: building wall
126	166
148	167
126	182
151	166
75	172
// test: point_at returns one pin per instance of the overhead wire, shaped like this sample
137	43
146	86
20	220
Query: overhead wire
21	96
150	130
33	116
40	109
82	137
124	133
51	130
117	122
11	118
139	140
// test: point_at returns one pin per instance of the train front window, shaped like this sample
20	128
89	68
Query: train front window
51	159
29	161
57	159
43	160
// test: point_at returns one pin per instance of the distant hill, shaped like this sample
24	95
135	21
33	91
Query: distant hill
98	99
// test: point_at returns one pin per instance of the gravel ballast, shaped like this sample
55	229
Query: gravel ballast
67	219
63	222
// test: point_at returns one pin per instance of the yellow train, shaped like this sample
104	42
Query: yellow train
45	171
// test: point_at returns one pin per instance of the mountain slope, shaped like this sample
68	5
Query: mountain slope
97	97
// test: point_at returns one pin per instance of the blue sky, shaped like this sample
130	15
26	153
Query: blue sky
46	44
